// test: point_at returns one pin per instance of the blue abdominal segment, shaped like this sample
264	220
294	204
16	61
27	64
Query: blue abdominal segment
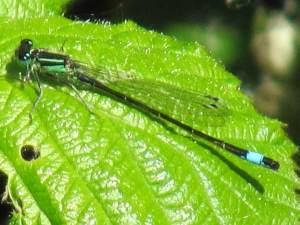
255	157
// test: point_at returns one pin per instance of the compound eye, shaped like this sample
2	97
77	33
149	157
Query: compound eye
23	52
27	42
26	56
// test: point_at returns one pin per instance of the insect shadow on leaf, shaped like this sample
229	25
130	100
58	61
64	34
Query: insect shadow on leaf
242	173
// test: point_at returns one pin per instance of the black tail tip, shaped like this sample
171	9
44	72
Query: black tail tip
274	165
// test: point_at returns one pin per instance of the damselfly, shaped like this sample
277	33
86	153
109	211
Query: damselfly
61	67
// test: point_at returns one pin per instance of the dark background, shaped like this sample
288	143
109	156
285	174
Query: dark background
244	35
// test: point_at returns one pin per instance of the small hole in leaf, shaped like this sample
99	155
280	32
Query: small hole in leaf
29	152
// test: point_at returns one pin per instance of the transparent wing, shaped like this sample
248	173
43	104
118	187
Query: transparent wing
196	109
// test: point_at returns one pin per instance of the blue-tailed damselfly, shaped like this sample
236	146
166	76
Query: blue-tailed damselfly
61	67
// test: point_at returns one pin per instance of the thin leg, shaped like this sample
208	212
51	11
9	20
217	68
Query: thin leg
28	71
80	98
63	45
40	94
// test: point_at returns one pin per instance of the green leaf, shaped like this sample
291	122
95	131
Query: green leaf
31	8
117	165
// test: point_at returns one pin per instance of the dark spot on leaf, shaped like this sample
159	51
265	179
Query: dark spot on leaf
29	152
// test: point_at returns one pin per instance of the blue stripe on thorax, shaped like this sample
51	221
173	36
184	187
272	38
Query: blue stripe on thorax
55	68
51	62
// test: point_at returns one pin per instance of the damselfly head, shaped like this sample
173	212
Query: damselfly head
23	52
